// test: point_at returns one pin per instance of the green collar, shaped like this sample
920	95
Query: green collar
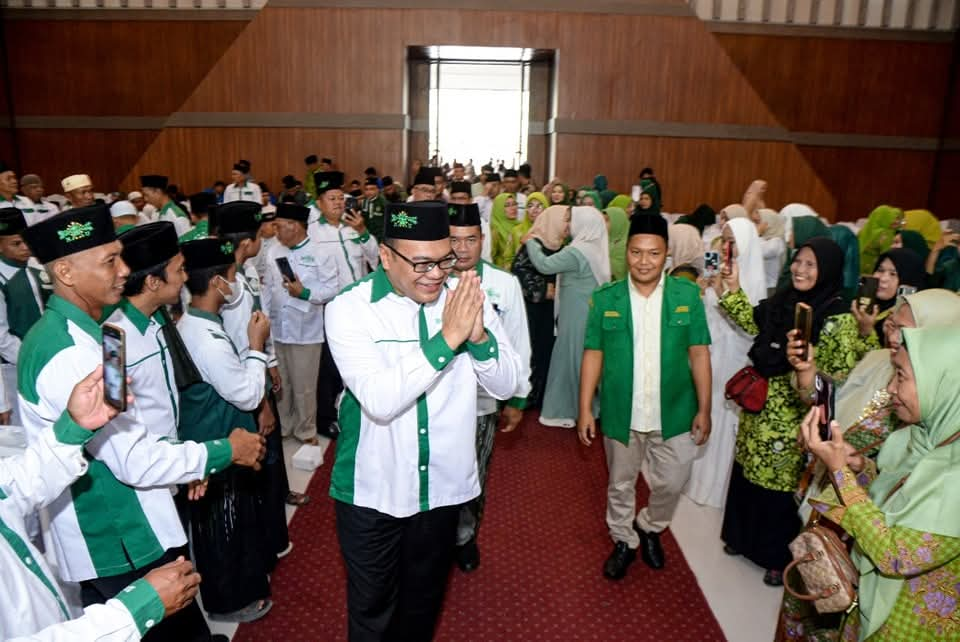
176	208
139	320
381	285
203	314
125	228
12	263
75	314
301	243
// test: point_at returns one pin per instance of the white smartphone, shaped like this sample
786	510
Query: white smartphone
635	193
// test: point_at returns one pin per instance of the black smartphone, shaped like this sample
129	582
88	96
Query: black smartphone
827	403
114	346
350	204
284	265
803	322
867	293
711	263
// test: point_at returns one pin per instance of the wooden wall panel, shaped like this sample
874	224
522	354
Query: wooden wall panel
111	68
609	67
106	155
882	87
945	199
694	171
861	179
195	158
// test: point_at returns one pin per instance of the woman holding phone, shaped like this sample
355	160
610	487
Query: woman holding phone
898	271
761	518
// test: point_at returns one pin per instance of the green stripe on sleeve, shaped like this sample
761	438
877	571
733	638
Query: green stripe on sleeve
144	604
342	482
22	551
68	432
219	456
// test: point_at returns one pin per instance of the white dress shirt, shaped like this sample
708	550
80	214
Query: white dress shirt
300	320
646	316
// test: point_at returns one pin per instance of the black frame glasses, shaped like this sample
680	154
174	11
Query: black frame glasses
422	267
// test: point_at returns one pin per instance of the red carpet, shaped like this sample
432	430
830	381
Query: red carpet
543	543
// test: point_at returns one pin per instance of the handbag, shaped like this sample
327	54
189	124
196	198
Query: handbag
824	563
748	389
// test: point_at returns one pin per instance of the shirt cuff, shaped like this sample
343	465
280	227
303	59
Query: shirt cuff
304	294
486	350
68	432
850	492
520	403
219	456
437	352
144	604
259	356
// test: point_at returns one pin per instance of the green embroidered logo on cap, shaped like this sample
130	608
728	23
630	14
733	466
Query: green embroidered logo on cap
76	231
323	184
404	220
258	217
452	211
227	248
3	226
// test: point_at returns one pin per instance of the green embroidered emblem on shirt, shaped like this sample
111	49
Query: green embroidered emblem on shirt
76	231
404	220
227	248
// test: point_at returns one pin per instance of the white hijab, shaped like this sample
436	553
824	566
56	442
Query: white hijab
790	212
589	234
753	280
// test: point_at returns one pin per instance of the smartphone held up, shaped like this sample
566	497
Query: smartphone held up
826	401
114	347
803	323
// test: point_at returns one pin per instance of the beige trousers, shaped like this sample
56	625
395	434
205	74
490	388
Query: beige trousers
666	466
299	367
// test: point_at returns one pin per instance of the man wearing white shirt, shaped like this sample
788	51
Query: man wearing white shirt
241	188
412	354
78	188
33	607
296	309
34	207
145	211
503	292
118	522
155	193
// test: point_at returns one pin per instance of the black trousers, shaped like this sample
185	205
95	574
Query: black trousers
329	386
187	625
397	571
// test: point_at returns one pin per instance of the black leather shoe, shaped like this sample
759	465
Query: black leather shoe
468	556
650	549
615	568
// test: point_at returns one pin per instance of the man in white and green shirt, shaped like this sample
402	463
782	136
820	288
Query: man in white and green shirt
31	201
33	606
502	291
241	188
118	522
412	353
155	193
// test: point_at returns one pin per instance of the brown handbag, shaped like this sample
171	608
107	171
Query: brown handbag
748	389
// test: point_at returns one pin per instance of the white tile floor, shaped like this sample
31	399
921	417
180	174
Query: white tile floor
744	606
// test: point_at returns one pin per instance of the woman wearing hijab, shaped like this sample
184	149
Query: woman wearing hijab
504	222
728	354
773	246
865	416
589	198
623	202
648	204
847	240
600	187
732	211
943	263
894	268
685	249
580	267
760	518
652	187
549	232
912	241
902	511
925	223
801	229
537	202
618	228
877	234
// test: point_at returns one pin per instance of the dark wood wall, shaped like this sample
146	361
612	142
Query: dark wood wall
612	72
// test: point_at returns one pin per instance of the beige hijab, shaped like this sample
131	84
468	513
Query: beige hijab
731	212
753	198
548	227
686	246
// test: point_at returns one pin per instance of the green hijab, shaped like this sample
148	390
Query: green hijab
928	501
601	187
622	201
914	241
506	233
877	234
619	227
847	240
594	194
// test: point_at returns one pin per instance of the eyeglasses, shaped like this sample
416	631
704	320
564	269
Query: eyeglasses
422	267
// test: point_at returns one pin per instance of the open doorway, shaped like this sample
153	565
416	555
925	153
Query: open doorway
479	105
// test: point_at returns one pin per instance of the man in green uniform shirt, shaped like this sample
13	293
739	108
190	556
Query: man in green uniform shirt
654	391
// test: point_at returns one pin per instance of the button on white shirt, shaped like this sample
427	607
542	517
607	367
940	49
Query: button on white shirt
646	315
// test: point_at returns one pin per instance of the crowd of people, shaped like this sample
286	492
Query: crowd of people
410	323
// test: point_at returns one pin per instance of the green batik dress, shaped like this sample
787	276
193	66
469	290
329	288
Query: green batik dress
767	441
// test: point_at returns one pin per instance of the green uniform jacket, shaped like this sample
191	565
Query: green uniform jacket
610	330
